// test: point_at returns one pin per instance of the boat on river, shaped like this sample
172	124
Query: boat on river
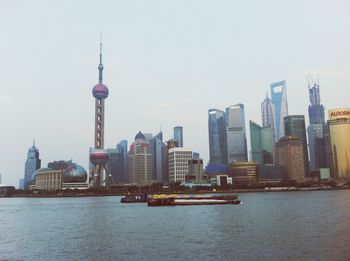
135	198
183	200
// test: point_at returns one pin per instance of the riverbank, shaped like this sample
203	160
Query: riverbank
104	193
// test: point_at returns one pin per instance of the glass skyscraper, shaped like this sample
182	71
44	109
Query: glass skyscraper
261	144
217	137
178	136
279	98
32	164
236	134
157	148
318	144
122	148
294	125
316	109
268	116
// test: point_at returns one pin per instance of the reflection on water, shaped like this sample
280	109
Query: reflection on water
267	226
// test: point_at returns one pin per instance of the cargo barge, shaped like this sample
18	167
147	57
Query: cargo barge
178	200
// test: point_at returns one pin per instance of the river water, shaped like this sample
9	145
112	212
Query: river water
267	226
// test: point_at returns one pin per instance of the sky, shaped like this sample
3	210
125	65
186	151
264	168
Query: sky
166	63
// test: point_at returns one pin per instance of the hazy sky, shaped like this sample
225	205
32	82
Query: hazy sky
166	63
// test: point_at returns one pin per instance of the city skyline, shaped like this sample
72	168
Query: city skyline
178	66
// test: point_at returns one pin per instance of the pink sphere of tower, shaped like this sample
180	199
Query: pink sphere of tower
99	157
100	91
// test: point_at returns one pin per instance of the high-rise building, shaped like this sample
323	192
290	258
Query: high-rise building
140	162
122	148
32	164
261	144
294	125
99	156
236	134
178	136
157	146
217	137
178	160
114	166
290	156
339	130
268	116
316	109
279	99
318	145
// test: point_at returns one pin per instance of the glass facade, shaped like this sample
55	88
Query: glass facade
32	164
268	116
294	125
217	137
236	134
316	109
122	148
339	130
279	98
157	146
261	144
178	136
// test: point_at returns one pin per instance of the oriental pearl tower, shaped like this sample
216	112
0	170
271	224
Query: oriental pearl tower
98	156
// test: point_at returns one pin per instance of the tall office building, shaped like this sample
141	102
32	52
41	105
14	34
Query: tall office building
178	136
178	160
32	164
114	166
316	131
157	147
316	109
339	130
261	144
268	116
279	99
217	137
140	162
290	156
99	156
294	125
122	148
236	134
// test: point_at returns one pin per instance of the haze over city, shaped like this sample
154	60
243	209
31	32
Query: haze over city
165	64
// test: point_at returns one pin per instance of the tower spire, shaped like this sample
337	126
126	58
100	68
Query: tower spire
100	66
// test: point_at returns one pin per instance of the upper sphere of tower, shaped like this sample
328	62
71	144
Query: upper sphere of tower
100	91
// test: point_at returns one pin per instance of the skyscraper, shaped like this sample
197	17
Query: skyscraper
217	137
316	109
179	164
140	162
318	144
268	116
122	148
157	147
294	125
236	134
290	156
178	136
339	130
32	164
98	156
115	166
279	99
261	144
